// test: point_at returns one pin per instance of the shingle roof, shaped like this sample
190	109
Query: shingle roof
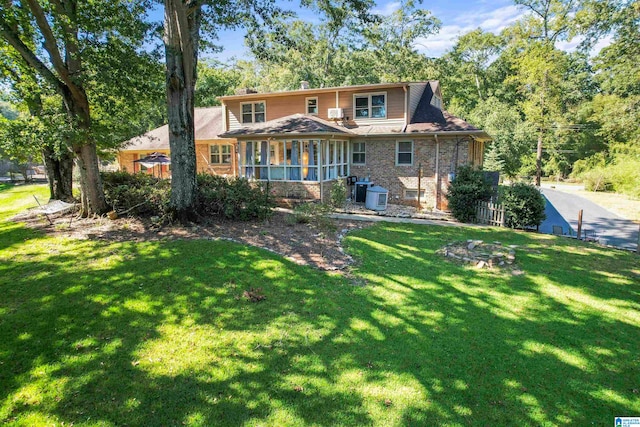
428	118
295	124
208	123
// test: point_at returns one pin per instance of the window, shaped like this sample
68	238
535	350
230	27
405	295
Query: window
312	106
404	153
412	194
358	154
436	102
370	106
220	154
253	112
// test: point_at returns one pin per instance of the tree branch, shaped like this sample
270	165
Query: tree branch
29	56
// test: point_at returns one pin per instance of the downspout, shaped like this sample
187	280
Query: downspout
406	107
435	205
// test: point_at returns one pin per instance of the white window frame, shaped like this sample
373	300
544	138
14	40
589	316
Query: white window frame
404	152
353	151
369	106
219	154
306	105
423	194
253	112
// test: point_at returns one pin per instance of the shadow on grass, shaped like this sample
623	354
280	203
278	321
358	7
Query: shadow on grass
160	333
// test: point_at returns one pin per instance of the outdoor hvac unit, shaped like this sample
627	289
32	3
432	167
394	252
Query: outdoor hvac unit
377	198
361	191
335	113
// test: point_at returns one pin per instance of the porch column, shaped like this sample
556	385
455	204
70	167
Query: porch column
320	172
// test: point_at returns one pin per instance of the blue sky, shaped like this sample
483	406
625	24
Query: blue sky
457	17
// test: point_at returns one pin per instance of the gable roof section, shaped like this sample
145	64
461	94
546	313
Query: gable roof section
295	124
428	118
208	123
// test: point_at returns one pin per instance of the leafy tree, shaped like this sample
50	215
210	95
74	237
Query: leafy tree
215	79
71	44
392	41
512	136
468	76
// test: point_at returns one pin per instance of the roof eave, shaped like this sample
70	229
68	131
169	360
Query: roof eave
288	135
316	90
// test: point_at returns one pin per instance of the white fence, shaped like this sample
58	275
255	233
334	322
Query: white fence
490	213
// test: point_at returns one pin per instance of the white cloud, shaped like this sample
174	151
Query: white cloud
387	9
488	20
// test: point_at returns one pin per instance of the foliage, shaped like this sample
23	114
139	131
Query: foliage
512	137
215	79
137	194
160	332
338	194
313	213
524	206
621	176
233	198
467	189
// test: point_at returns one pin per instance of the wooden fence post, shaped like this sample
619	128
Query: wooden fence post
579	224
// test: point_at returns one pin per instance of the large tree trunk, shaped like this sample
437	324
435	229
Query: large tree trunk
182	32
92	192
59	174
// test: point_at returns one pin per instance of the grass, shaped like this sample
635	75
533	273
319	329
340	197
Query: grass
159	333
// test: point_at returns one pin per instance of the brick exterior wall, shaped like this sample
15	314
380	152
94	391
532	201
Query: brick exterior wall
381	168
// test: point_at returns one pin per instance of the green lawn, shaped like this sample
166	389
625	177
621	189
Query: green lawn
159	333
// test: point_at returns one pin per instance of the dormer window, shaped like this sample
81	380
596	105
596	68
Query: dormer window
436	102
253	112
370	106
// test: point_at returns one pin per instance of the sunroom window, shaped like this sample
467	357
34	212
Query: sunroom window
293	160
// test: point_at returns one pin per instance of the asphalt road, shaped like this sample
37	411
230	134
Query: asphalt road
607	227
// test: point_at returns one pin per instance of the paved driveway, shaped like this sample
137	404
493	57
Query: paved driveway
609	228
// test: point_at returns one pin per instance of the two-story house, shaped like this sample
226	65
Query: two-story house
303	141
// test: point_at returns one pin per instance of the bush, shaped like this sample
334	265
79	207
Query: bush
137	194
313	213
467	189
338	194
234	198
524	206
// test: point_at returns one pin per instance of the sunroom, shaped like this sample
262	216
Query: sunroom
298	155
310	160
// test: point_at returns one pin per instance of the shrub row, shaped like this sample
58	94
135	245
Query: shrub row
143	195
523	204
235	198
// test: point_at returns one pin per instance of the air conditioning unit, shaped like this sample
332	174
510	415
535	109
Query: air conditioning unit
335	113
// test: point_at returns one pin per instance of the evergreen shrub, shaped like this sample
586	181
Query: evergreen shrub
524	206
467	189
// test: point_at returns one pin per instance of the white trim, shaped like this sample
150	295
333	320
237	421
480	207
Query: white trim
253	112
423	192
369	106
353	151
306	106
398	152
220	153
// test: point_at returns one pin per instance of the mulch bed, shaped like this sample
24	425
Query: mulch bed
305	244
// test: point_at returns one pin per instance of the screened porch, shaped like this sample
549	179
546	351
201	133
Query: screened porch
294	160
